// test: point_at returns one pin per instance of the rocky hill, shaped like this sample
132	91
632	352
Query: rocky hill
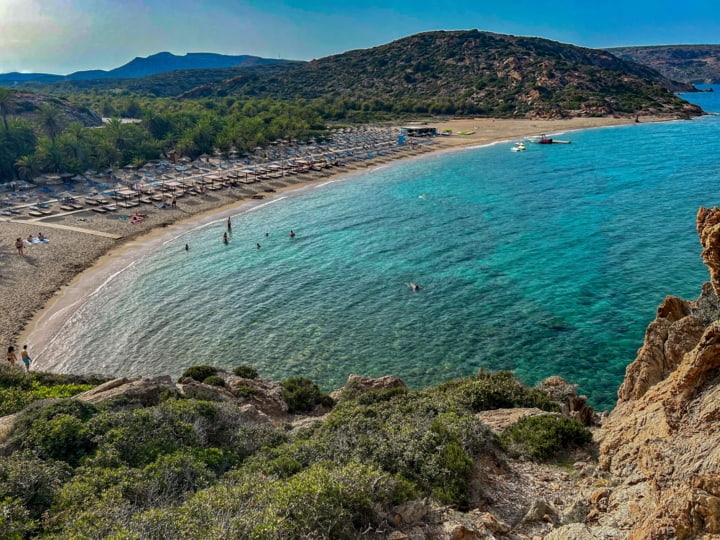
694	64
472	72
27	105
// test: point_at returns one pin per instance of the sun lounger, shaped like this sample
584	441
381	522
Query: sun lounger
99	210
34	213
66	208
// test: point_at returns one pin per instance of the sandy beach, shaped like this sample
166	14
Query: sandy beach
82	242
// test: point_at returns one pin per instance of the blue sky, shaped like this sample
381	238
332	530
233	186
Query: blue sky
62	36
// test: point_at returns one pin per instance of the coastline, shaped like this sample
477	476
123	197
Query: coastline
39	291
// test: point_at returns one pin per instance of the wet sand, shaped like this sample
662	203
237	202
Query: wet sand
39	290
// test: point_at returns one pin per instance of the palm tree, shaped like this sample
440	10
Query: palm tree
50	120
26	166
7	104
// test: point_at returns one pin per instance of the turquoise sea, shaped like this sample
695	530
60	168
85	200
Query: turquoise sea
545	262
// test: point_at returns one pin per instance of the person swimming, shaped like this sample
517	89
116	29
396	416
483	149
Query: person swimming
225	238
414	286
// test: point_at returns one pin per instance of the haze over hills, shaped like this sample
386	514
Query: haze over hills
694	64
141	67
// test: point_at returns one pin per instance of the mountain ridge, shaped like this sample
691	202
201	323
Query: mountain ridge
694	64
138	67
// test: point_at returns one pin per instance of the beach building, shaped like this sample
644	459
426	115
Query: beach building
419	131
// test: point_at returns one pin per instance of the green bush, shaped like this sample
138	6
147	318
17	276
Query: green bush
544	437
487	391
199	373
56	430
303	395
214	380
246	372
31	481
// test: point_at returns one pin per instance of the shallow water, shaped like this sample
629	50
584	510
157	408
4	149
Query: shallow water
549	261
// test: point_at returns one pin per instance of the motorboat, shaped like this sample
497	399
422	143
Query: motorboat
519	147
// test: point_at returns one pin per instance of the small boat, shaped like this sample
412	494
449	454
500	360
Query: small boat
544	139
519	147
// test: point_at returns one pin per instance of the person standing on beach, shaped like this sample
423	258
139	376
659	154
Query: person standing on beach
11	357
25	356
19	246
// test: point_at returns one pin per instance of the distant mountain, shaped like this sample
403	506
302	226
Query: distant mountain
168	84
694	64
141	67
472	72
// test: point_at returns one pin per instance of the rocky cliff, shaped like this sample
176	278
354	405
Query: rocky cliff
659	458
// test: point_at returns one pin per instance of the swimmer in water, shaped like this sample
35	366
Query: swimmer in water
414	286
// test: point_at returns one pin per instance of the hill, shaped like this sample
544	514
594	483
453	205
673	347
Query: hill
28	105
472	72
162	62
694	64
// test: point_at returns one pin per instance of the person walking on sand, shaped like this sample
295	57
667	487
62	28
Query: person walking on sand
19	246
11	357
25	357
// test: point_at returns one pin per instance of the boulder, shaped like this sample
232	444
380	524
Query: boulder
357	385
145	391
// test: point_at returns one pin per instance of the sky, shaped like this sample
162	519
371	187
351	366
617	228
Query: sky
63	36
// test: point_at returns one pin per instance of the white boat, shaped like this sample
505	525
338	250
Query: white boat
519	147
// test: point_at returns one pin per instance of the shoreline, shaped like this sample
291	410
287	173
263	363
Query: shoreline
40	291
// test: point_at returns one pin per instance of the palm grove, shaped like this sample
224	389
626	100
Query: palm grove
50	143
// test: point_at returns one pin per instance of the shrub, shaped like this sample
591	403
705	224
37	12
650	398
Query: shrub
31	481
56	430
302	395
199	373
487	391
246	372
214	380
243	391
544	437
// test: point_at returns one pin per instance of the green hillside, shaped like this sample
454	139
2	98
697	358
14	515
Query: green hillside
471	72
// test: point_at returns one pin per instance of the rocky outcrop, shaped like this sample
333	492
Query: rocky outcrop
659	457
357	385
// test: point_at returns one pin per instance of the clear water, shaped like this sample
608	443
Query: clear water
546	262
